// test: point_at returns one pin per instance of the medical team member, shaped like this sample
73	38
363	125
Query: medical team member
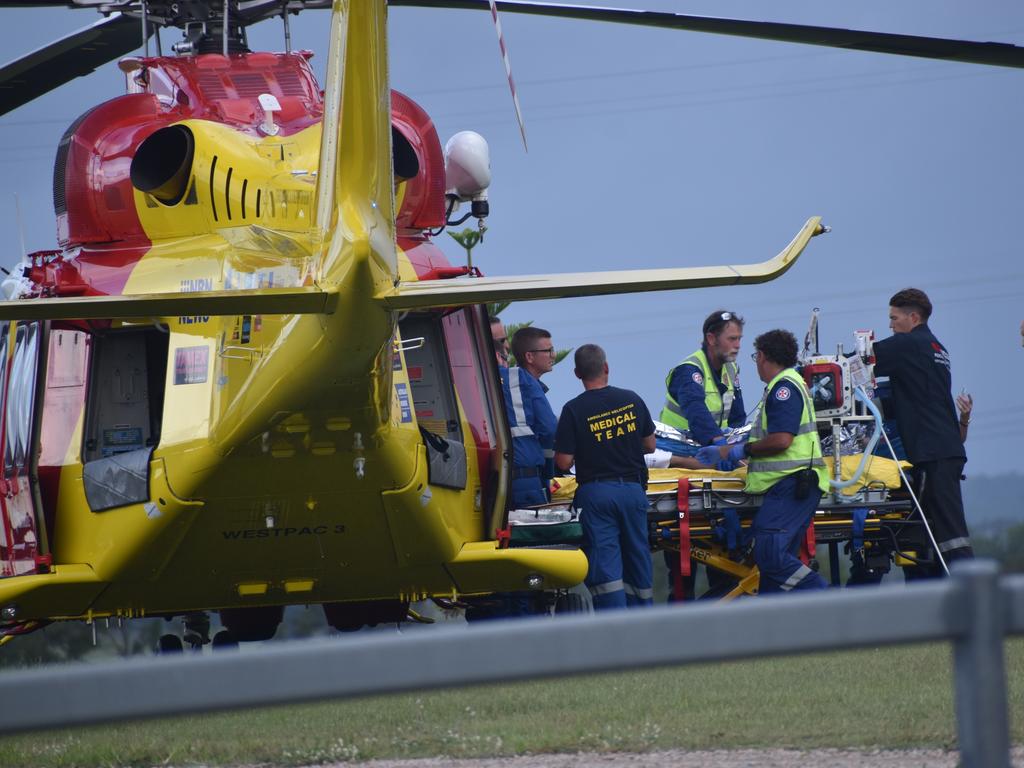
532	423
703	396
919	374
703	399
606	431
785	464
534	352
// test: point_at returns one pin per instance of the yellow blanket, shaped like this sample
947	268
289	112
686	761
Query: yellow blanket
878	471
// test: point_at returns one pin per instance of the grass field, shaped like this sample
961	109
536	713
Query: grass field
885	697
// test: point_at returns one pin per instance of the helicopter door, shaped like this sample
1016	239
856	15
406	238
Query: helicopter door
433	397
123	416
19	366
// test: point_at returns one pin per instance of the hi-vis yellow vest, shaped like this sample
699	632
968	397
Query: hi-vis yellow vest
803	453
718	404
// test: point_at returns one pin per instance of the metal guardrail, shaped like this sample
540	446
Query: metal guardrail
974	609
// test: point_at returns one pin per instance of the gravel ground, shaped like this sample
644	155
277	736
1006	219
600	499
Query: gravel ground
736	758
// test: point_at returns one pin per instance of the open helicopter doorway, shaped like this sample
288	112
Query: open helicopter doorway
433	395
22	536
127	378
453	376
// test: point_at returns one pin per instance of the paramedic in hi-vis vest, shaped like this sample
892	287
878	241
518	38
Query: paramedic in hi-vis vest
784	463
703	400
703	395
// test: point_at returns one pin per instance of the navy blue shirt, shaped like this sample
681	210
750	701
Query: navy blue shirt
603	430
919	374
784	408
687	388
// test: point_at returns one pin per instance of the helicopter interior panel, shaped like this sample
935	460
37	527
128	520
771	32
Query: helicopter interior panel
433	394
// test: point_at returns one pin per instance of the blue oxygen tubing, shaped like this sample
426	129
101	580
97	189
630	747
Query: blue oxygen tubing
861	395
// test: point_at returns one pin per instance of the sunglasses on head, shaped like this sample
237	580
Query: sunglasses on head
721	319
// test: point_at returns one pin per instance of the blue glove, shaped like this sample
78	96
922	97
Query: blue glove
726	465
722	438
709	455
736	453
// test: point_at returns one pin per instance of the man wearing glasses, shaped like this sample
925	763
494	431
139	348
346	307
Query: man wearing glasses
534	351
533	422
500	339
785	464
703	395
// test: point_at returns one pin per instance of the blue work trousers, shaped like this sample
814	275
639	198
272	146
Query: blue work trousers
614	518
779	526
528	492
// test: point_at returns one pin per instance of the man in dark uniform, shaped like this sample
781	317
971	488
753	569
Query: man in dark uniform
606	431
919	375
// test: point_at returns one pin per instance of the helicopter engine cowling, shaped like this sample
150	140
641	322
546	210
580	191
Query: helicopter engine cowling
92	194
163	163
199	176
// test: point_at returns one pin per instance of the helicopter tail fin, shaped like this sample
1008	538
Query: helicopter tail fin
459	292
355	187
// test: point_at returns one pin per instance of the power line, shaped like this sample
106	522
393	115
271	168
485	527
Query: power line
719	102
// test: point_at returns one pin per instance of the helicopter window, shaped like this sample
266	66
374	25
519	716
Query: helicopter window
21	392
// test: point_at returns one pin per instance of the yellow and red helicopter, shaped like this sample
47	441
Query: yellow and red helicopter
249	378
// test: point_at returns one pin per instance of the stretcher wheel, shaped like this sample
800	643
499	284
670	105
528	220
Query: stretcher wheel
569	603
224	639
169	644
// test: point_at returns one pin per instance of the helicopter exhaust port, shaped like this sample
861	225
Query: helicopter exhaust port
163	163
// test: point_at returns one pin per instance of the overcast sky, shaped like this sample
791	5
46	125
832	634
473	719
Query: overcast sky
656	148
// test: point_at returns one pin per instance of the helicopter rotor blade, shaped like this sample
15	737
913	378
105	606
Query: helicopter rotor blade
994	54
63	60
508	73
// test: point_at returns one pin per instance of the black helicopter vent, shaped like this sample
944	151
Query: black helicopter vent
60	165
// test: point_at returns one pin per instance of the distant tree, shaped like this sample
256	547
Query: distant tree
57	642
73	640
494	309
469	239
1007	548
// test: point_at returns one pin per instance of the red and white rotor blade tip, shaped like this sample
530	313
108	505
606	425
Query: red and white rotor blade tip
508	71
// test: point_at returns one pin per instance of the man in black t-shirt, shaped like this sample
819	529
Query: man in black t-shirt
606	431
919	374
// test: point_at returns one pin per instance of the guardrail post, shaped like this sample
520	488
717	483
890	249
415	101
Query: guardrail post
979	671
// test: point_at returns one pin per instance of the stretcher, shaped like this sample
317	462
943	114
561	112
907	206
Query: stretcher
703	516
